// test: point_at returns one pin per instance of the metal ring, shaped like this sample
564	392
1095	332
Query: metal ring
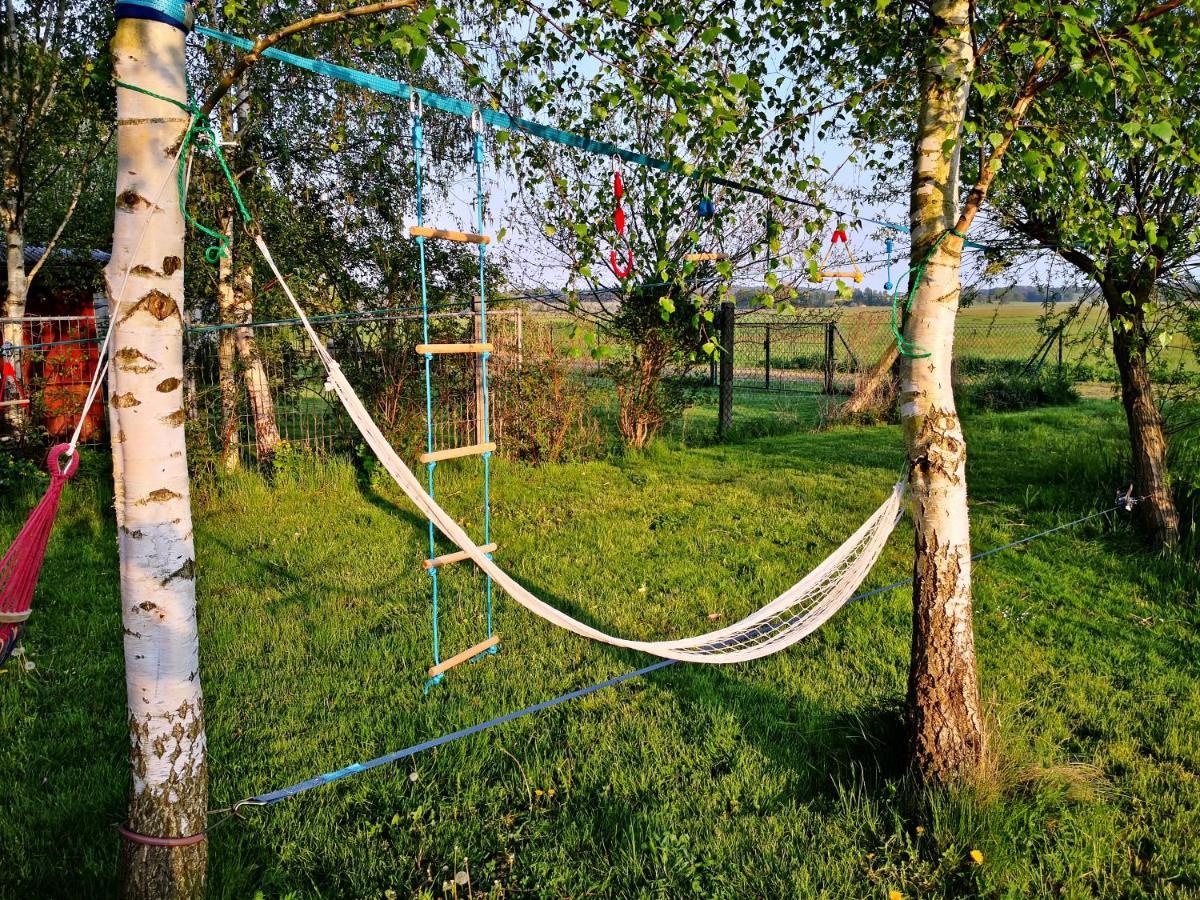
415	105
476	120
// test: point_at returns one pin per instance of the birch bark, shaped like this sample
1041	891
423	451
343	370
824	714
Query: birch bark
945	725
169	789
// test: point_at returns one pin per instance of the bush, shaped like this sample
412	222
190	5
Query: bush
542	412
1005	393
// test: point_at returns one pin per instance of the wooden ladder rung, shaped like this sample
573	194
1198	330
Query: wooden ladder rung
456	452
459	658
703	257
454	348
14	403
459	556
456	236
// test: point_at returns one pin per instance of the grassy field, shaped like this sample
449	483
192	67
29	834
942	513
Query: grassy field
777	778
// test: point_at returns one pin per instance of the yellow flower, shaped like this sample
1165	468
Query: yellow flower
895	895
978	857
920	829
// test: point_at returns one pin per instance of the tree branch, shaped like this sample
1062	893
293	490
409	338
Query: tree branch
263	44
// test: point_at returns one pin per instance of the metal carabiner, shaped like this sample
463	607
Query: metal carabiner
415	105
476	120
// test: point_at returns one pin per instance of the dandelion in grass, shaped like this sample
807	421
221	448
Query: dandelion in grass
977	857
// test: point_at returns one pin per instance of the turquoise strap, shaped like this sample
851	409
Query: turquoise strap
171	12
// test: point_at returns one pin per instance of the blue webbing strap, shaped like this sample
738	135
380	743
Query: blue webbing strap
170	12
300	787
505	122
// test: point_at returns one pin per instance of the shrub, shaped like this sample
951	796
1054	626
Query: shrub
542	412
1005	393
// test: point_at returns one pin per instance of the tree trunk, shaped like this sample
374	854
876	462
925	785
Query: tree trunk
874	391
226	353
15	293
169	790
1155	512
945	726
258	388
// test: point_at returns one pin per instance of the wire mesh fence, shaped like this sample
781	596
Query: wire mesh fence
47	365
251	387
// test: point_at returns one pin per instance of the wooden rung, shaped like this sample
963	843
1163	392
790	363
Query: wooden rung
457	236
703	257
456	452
857	276
12	618
14	403
454	348
459	658
455	557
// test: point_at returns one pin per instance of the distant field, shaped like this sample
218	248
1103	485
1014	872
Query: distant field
988	334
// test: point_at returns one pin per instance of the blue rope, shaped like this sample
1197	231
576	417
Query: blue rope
483	360
418	143
300	787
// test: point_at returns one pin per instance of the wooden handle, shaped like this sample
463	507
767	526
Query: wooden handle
456	452
459	556
460	658
703	257
12	618
456	236
454	348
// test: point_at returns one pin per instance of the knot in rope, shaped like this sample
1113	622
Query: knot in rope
201	136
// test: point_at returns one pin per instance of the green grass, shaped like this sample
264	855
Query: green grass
777	778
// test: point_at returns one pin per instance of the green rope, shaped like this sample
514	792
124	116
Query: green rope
202	128
906	348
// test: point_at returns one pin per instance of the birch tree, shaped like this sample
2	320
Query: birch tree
52	129
169	791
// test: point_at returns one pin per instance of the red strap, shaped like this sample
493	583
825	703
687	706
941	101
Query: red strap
618	186
149	841
839	234
615	265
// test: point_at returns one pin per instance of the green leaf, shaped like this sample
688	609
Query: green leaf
1164	131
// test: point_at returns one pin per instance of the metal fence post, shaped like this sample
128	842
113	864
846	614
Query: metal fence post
725	412
830	350
767	360
1061	329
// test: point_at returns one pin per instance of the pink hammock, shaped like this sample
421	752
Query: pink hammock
20	566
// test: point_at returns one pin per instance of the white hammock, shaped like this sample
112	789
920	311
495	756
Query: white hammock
794	614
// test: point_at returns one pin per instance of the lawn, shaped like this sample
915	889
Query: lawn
776	778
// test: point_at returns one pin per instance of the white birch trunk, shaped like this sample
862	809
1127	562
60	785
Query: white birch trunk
258	387
945	726
169	791
226	354
15	292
